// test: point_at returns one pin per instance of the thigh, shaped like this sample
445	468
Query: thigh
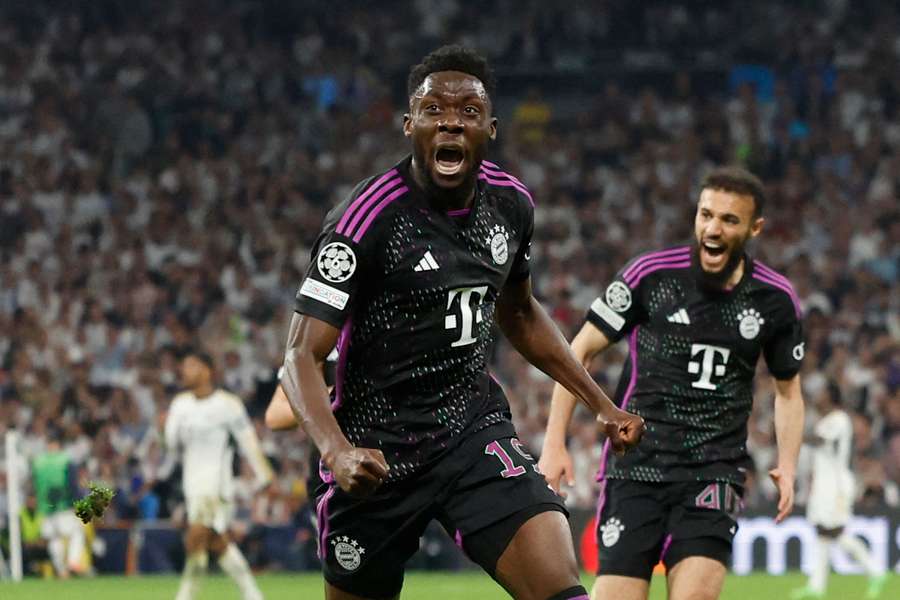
703	523
696	578
499	490
364	543
539	561
333	593
196	538
631	527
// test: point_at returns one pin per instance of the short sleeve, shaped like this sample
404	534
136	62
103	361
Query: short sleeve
784	349
618	309
521	267
341	261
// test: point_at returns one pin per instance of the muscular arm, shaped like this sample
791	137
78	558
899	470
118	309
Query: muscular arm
789	435
358	471
530	330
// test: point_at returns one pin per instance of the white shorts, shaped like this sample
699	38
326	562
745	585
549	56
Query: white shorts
210	511
830	506
63	524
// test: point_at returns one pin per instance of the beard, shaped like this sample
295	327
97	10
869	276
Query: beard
717	280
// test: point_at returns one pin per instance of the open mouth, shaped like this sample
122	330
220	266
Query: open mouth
449	159
713	254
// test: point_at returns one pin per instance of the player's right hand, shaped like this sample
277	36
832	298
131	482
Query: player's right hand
359	471
555	465
623	429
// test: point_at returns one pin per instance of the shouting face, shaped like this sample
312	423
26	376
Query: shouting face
450	124
724	223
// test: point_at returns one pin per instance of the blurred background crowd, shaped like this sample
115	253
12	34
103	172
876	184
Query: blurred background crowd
165	167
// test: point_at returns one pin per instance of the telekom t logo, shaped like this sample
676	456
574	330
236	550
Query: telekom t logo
707	366
469	307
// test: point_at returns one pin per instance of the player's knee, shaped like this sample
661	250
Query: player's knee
573	593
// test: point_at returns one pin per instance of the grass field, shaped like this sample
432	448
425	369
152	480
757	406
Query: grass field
464	586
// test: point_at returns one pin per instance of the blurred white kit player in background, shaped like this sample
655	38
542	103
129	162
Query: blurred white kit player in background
831	496
204	424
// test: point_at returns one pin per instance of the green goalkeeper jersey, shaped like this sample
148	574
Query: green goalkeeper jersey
51	482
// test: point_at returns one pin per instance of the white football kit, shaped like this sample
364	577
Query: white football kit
205	432
833	486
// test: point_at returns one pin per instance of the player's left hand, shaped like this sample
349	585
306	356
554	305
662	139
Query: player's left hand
623	429
784	481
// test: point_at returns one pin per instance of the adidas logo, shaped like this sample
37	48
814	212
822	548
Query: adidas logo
427	263
681	317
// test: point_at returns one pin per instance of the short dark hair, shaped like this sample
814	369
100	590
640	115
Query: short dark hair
738	181
453	58
200	355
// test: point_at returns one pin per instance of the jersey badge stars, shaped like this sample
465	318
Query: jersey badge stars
497	241
611	531
427	263
347	552
750	323
618	296
681	317
336	262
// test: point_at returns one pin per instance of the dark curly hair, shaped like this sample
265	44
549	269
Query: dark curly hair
737	181
452	58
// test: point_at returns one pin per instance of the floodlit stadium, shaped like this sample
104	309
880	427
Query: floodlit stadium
216	216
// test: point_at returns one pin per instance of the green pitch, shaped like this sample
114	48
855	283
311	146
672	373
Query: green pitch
464	586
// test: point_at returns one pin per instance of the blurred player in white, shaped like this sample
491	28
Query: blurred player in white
831	497
204	424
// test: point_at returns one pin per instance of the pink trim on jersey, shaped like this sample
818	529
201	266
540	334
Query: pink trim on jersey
362	198
506	183
784	287
665	547
492	169
459	212
653	257
601	472
776	276
367	208
375	211
685	263
343	346
322	519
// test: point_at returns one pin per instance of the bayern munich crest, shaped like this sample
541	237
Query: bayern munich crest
347	552
611	531
750	323
618	296
497	242
336	262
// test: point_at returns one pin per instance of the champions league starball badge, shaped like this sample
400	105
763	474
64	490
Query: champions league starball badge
618	296
336	262
497	242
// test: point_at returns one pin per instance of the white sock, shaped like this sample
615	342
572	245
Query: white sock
860	553
194	569
75	551
56	548
818	578
234	563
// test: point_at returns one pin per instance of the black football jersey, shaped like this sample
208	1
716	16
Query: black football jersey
413	289
692	356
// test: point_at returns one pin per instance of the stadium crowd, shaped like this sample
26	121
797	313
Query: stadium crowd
161	186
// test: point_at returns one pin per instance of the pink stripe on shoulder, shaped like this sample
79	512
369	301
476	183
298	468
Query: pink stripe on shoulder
784	287
506	183
684	264
771	272
375	211
647	258
358	202
367	207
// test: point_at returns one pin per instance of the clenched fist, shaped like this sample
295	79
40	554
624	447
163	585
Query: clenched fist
358	471
623	429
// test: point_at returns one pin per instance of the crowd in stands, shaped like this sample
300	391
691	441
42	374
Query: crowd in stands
165	167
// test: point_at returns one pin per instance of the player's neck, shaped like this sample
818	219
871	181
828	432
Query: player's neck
457	198
203	390
736	276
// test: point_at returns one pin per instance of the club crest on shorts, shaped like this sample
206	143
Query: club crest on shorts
618	296
347	552
336	262
497	242
750	322
611	531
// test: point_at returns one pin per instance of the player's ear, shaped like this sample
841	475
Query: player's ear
757	226
407	125
493	127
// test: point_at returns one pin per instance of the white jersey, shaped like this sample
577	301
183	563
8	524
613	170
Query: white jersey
832	490
205	431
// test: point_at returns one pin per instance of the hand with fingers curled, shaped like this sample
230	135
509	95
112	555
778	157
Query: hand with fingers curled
623	429
358	471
